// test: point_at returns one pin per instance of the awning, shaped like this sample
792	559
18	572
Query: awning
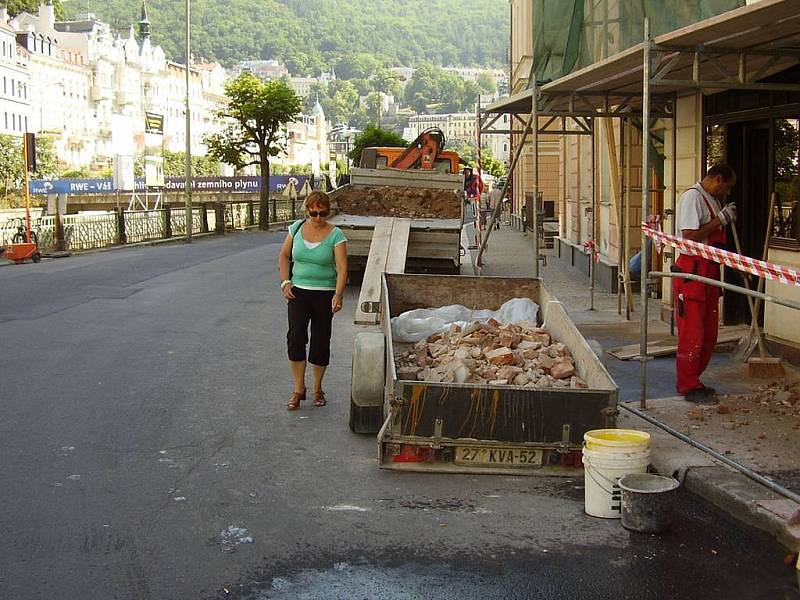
730	51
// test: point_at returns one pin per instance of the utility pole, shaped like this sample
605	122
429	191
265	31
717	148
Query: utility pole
188	196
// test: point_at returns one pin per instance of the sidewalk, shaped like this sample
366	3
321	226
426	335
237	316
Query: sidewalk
757	423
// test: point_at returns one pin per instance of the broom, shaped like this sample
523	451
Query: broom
765	367
748	342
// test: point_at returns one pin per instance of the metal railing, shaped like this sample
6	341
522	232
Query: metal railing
88	231
144	225
178	221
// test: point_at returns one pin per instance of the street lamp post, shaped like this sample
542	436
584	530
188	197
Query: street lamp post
188	191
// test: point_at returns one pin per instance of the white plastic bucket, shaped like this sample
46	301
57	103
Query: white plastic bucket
603	468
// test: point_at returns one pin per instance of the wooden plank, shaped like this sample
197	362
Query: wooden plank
668	346
398	246
616	196
376	264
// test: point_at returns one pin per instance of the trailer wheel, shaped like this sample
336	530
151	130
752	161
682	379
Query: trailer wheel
367	382
37	257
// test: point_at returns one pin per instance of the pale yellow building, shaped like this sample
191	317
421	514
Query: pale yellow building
724	84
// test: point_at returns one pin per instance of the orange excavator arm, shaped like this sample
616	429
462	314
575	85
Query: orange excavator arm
422	152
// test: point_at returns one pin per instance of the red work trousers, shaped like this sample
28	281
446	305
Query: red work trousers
697	318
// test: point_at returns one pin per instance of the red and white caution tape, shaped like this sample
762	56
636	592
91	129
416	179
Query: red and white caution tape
589	247
746	264
654	223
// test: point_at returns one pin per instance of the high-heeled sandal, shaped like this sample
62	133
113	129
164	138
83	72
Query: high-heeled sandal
319	398
294	401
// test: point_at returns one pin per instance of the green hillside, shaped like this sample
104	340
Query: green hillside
311	36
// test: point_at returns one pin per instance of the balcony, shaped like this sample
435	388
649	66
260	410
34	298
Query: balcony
123	98
99	93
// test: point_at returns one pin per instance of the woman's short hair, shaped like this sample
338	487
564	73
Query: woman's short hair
318	199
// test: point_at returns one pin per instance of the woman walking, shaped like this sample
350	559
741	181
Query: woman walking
313	268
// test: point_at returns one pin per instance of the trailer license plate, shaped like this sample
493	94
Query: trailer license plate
511	457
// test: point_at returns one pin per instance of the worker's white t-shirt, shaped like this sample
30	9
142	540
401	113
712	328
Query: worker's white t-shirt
693	211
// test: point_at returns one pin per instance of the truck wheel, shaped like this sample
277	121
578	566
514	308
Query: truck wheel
368	380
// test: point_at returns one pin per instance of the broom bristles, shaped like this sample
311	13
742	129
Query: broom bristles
765	368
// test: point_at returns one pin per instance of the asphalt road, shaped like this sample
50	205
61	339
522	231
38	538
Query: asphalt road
146	452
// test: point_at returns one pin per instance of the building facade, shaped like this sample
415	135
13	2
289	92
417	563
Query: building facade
15	108
90	88
743	111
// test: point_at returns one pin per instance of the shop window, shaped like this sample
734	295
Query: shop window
786	220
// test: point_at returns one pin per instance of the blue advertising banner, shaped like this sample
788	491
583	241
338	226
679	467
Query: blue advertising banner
277	183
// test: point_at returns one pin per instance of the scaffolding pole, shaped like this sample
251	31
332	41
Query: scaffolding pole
645	211
535	142
593	221
626	201
673	199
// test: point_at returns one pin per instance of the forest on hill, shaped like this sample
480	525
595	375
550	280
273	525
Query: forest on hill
313	36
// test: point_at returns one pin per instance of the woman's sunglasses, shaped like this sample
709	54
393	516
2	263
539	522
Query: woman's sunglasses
318	213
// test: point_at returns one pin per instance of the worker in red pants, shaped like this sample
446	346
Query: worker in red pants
700	218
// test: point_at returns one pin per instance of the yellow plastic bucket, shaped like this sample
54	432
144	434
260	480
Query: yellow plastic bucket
616	440
608	455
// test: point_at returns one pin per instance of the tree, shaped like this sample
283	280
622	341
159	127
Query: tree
491	165
202	166
257	114
387	82
32	6
11	169
486	82
374	136
373	105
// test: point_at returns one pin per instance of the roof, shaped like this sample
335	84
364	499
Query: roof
767	32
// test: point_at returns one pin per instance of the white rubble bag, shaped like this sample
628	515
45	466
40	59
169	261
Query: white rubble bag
419	324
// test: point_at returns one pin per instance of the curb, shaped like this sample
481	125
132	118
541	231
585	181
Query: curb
746	502
742	499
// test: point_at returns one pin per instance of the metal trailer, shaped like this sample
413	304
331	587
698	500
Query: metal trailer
434	245
452	427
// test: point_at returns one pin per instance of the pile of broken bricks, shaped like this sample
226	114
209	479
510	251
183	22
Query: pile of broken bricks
519	354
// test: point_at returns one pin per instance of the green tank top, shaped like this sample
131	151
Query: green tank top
314	268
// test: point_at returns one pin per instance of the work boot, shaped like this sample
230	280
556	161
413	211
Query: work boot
702	395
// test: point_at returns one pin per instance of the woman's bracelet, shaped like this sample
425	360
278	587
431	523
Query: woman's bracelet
285	282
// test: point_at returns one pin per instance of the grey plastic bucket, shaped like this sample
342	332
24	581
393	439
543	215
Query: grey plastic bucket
647	501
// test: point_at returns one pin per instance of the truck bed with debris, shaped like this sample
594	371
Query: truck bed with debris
429	198
527	419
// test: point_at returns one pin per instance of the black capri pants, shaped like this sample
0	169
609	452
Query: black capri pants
313	306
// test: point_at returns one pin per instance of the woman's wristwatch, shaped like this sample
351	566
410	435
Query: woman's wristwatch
286	282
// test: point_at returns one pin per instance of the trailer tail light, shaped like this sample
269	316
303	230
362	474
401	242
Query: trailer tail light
412	454
572	459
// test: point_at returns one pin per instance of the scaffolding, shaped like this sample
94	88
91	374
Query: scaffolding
730	50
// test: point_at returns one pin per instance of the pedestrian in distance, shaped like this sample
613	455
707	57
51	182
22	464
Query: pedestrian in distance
496	199
701	217
473	185
313	270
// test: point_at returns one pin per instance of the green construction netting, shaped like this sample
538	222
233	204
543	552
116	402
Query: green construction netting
572	34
